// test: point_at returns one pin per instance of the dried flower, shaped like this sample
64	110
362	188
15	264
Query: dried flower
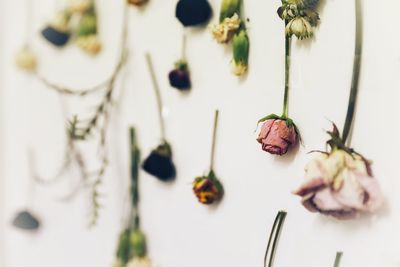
159	163
137	2
340	184
26	59
224	31
86	35
179	78
241	46
278	135
193	12
80	6
300	27
140	262
208	189
25	220
58	32
90	44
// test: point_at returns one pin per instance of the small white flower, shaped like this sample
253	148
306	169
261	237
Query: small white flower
300	27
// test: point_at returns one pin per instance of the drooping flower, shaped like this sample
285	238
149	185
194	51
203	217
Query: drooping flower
179	78
57	32
159	163
193	12
26	59
277	135
241	47
340	184
25	220
224	31
208	189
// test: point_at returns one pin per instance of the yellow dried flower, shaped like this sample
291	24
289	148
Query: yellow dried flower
90	44
224	31
26	59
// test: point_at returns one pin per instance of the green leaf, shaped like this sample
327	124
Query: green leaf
269	117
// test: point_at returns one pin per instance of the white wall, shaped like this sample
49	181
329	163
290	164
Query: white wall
181	232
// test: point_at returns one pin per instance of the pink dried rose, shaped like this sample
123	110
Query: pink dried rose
277	136
340	184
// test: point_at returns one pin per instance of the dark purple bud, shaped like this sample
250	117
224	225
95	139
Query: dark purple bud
193	12
55	37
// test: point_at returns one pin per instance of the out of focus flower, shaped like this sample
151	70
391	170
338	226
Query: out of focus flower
193	12
80	6
241	47
277	136
87	33
159	163
179	78
90	44
138	243
340	184
57	32
140	262
208	189
25	220
224	31
137	2
26	59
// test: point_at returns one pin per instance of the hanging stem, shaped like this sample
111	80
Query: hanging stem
338	258
214	137
184	41
288	42
356	73
158	96
274	238
135	159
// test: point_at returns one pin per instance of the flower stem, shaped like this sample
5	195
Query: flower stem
158	96
356	73
338	258
184	41
135	159
214	137
274	238
288	42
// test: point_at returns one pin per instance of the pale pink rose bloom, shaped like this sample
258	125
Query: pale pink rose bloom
276	137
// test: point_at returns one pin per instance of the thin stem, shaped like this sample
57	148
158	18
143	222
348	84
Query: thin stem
288	42
356	73
338	258
214	137
184	42
158	95
135	159
274	239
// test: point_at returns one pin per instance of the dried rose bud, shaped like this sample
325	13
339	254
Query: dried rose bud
137	2
341	185
193	12
277	136
26	59
25	220
159	163
179	78
208	189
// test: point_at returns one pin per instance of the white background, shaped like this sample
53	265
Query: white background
180	231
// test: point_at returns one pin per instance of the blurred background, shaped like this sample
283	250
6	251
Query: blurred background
180	231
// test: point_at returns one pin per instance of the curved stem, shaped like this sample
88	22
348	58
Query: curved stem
356	74
158	95
214	137
288	42
338	258
274	239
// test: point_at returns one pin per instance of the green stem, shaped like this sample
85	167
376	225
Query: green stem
274	238
158	96
214	137
356	73
288	41
184	41
135	159
338	258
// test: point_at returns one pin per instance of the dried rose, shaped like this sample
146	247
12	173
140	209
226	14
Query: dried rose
193	12
138	243
278	135
179	78
208	189
340	184
159	163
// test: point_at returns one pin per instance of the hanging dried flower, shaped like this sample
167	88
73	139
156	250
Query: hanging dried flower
193	12
159	163
300	17
208	189
26	59
137	2
179	77
87	33
58	31
232	27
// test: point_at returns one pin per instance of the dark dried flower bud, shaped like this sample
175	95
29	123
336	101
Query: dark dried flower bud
25	220
159	163
193	12
57	32
179	78
208	189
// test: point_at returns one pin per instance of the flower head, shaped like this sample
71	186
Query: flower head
224	31
340	184
241	46
179	78
193	12
159	163
26	59
208	189
278	135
